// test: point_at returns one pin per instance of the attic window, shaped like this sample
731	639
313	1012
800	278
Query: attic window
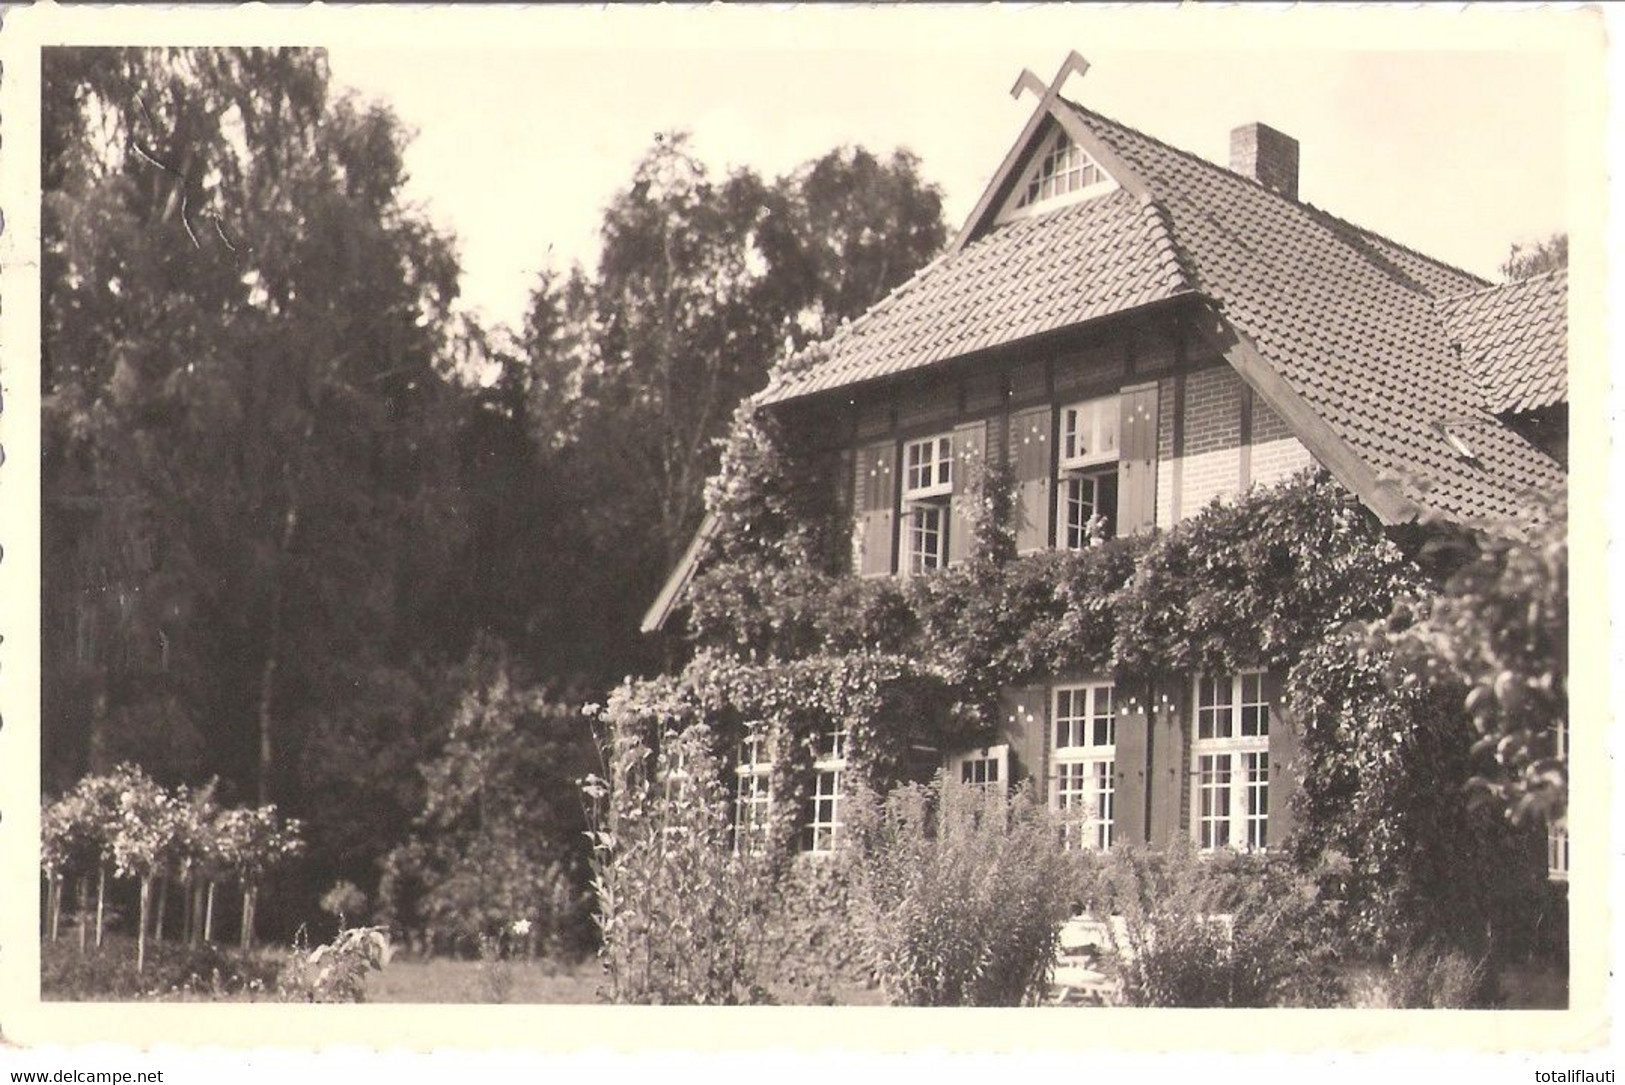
1064	169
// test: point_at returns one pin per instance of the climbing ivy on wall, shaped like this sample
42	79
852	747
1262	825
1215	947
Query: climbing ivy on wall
786	640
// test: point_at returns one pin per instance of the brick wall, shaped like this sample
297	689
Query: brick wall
1211	466
1276	453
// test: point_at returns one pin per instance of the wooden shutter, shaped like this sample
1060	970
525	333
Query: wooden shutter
876	492
1284	770
1167	779
970	447
1034	467
1024	725
1137	460
1128	800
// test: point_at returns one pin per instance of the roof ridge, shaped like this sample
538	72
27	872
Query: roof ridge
1311	208
1493	287
1385	239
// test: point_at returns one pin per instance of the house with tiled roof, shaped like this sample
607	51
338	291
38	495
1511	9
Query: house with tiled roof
1135	331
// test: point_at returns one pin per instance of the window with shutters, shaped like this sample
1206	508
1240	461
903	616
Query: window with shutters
928	486
1086	511
1230	762
753	797
824	805
1084	754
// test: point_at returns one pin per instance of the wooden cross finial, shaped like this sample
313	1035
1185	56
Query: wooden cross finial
1027	81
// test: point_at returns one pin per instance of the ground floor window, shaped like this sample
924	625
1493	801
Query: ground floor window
987	768
1230	762
753	797
824	805
1084	753
1557	851
1557	832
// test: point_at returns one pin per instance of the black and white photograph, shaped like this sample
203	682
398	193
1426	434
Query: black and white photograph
818	510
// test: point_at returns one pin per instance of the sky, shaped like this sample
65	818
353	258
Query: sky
522	143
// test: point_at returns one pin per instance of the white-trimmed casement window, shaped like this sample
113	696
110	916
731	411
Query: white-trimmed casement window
1230	762
824	805
987	768
1086	510
928	486
753	797
1557	832
1084	754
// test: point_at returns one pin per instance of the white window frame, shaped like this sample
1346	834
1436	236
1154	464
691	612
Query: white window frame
753	796
829	772
1060	142
928	486
1232	763
994	762
1098	422
1085	760
1557	832
1064	525
937	459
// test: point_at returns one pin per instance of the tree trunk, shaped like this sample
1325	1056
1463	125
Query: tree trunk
188	910
51	893
163	906
81	910
98	759
273	638
267	681
141	930
208	915
101	902
251	895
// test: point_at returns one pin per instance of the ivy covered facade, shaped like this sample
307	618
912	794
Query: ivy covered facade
1069	509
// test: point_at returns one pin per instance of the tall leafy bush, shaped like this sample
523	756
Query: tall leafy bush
959	894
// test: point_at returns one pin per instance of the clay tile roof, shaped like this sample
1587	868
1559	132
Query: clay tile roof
1514	340
1351	321
1087	260
1348	319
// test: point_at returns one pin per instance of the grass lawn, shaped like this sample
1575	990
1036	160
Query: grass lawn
175	974
445	979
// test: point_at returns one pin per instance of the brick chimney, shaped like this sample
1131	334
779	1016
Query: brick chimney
1267	156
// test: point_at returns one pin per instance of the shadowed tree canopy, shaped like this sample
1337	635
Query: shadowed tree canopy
247	409
288	486
1525	261
702	285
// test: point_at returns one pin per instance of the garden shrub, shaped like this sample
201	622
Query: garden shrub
808	949
959	894
679	912
1427	978
1224	930
1386	762
171	970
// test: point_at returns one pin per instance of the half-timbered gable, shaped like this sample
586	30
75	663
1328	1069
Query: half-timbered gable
1132	332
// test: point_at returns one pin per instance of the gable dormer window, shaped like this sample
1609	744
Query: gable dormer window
1062	173
928	486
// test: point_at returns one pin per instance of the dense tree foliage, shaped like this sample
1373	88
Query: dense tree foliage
289	486
1525	261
